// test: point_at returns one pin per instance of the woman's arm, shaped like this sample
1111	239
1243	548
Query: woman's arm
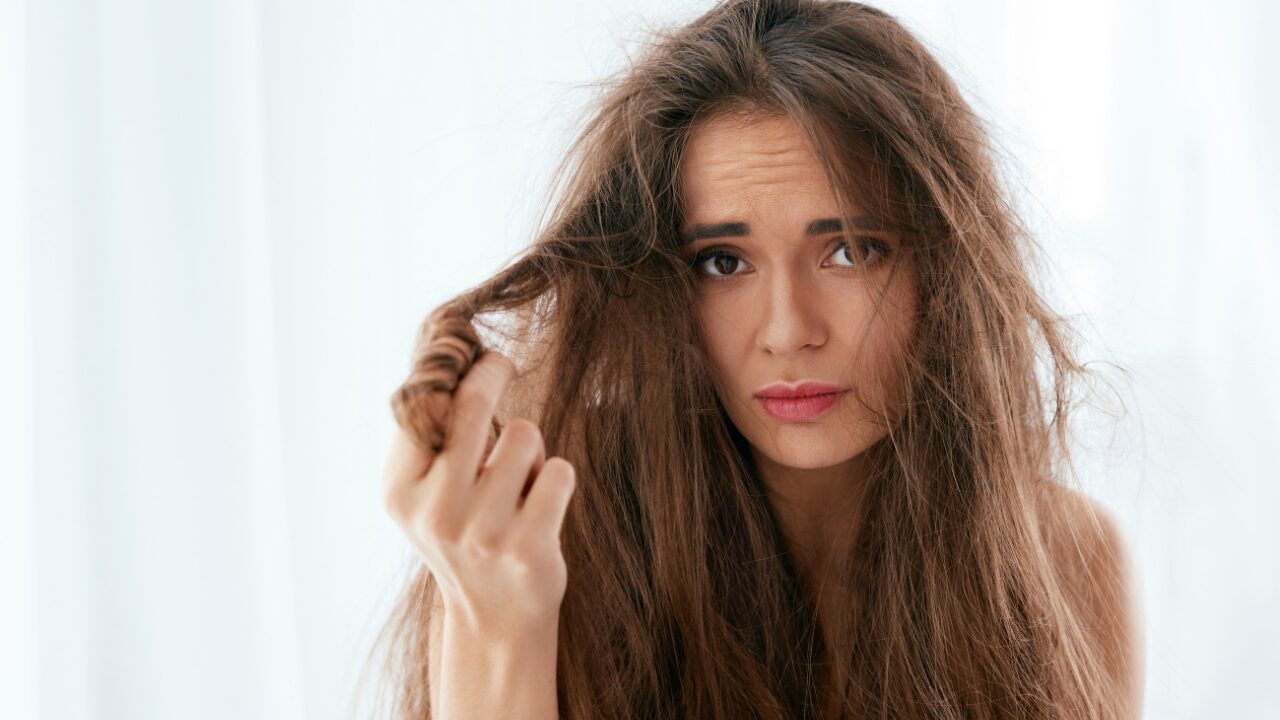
489	676
492	642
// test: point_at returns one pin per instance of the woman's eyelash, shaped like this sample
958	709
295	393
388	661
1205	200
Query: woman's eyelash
881	249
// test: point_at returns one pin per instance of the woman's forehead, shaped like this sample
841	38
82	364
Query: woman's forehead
732	166
733	140
737	159
727	161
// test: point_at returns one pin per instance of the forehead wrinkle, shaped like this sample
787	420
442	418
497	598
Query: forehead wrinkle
731	163
783	166
755	159
737	181
793	156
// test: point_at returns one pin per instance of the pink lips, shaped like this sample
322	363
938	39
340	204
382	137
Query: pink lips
800	402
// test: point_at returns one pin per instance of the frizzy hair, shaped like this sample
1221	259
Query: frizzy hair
683	599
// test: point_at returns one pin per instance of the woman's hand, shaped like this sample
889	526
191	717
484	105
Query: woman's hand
494	552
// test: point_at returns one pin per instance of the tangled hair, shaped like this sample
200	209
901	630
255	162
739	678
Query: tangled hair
683	598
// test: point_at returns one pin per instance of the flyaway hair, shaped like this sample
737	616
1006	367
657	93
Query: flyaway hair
683	600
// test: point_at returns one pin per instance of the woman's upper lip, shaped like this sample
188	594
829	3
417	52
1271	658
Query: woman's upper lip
805	388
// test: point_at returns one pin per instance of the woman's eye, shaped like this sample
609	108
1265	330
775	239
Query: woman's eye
725	262
875	250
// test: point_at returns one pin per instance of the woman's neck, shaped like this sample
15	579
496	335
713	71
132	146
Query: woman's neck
818	510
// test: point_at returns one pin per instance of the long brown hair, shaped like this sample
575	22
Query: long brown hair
683	599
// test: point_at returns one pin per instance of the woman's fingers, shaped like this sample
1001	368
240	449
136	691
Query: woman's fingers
466	439
542	515
517	456
405	458
499	560
474	402
404	466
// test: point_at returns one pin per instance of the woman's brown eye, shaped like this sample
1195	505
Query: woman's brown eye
723	261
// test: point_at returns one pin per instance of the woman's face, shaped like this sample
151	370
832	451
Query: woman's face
787	293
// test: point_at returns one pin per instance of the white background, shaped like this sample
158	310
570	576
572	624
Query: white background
222	221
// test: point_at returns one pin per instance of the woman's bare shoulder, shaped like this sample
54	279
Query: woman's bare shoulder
1088	547
1081	531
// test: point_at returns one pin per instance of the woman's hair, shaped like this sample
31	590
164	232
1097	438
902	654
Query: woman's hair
683	599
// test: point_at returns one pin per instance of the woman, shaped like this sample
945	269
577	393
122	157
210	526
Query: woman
619	511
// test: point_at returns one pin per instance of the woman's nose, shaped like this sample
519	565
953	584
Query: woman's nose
791	316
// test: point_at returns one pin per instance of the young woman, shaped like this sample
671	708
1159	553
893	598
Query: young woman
754	428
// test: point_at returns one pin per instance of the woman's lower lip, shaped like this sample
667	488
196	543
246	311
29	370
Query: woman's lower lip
800	408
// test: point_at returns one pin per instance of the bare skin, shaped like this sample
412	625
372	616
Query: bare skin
795	306
777	303
493	548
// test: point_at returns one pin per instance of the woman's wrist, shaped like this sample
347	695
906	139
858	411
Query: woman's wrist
512	672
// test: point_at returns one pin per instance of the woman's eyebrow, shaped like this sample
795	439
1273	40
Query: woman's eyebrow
700	231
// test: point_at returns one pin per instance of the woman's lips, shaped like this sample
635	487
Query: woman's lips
802	408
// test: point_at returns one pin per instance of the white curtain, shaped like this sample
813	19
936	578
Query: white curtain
222	221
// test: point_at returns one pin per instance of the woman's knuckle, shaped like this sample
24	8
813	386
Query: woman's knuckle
531	558
558	470
486	544
398	502
441	468
420	525
523	430
524	434
431	524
